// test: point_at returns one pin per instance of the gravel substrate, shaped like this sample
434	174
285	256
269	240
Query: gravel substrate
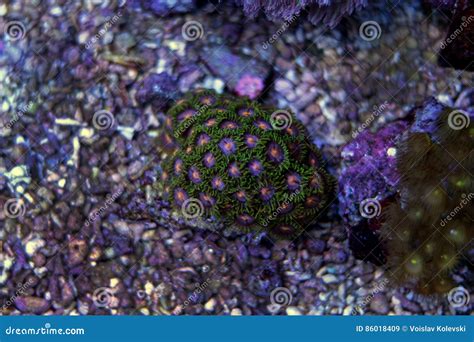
90	233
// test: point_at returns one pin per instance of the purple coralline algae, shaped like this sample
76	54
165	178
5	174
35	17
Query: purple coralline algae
427	117
326	12
164	7
369	161
370	170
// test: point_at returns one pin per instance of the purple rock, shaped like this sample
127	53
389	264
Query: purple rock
369	169
316	246
165	7
233	68
427	116
369	175
30	304
157	89
263	279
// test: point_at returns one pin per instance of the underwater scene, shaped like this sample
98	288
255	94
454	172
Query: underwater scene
237	157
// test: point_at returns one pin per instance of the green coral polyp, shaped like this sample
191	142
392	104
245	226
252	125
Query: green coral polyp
429	232
242	168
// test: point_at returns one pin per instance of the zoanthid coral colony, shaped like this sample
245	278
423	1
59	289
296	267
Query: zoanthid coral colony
429	230
250	166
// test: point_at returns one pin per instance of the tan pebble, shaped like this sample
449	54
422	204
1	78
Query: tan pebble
293	311
210	305
236	312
